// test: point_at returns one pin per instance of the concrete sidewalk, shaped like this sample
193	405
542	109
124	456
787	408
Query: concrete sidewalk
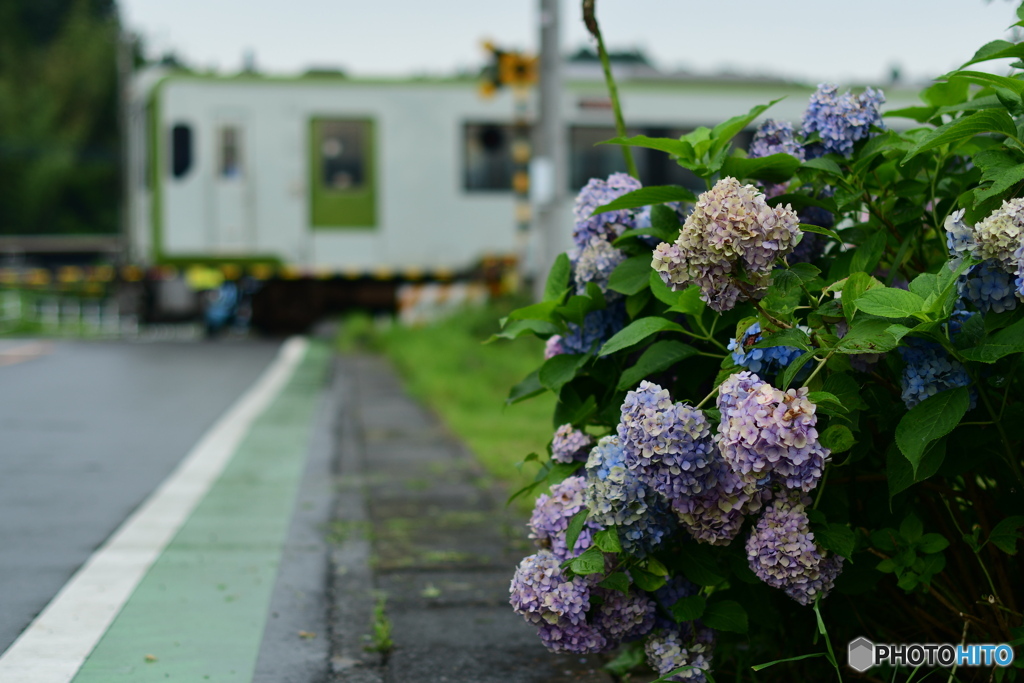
417	523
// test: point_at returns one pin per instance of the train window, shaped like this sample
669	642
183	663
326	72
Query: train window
342	173
343	147
487	156
181	149
230	144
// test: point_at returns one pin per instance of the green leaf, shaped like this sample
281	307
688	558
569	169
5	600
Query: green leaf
943	94
929	420
837	438
688	609
518	328
724	132
846	389
727	615
698	565
616	581
837	538
528	388
794	337
1004	342
659	356
899	473
793	369
632	275
805	271
608	540
674	147
646	196
636	332
636	302
866	256
688	301
1001	182
990	80
646	581
985	121
759	667
1006	534
868	336
997	49
855	286
932	543
560	370
575	528
579	305
911	528
824	164
558	278
774	168
540	311
590	562
806	227
889	302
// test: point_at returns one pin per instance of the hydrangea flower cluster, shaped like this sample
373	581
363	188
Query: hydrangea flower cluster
559	608
682	646
595	263
782	552
569	444
1001	234
598	327
618	496
609	225
927	370
775	137
731	228
715	515
551	515
668	444
841	120
758	360
989	288
766	432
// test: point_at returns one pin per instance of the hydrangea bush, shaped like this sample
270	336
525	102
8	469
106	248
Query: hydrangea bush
789	407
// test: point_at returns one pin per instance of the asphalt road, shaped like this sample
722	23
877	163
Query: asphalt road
87	432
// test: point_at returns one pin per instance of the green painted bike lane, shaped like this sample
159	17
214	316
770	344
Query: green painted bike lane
199	612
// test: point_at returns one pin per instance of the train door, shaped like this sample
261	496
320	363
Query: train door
233	227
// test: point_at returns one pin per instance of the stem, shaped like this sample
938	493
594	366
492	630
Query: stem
590	19
707	354
707	333
821	364
821	487
707	398
963	639
988	577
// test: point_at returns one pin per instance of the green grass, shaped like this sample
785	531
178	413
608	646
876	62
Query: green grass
447	367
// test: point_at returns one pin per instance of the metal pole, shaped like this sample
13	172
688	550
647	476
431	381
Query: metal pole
550	150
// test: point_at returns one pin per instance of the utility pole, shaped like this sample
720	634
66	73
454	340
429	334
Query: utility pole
548	169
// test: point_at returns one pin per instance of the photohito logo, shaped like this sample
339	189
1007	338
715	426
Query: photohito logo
863	654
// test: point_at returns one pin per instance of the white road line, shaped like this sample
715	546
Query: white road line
54	646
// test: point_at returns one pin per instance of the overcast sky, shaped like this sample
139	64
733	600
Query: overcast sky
811	40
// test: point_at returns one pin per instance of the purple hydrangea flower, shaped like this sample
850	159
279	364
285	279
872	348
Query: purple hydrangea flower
611	224
959	239
570	444
595	263
775	137
623	616
841	120
927	370
761	360
730	229
670	649
988	287
618	496
553	347
598	327
668	444
1019	272
577	639
782	552
551	515
715	515
770	432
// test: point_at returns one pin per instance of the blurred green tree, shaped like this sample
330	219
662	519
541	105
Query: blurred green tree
59	142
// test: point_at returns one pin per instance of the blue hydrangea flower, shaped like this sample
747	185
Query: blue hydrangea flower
1019	272
685	645
775	137
782	552
551	515
927	370
988	287
668	444
617	496
595	263
553	346
569	444
841	120
773	358
611	224
598	327
770	433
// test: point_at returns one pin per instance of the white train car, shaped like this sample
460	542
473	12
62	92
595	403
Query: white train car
376	180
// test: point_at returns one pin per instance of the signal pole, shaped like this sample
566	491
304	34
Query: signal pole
548	169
